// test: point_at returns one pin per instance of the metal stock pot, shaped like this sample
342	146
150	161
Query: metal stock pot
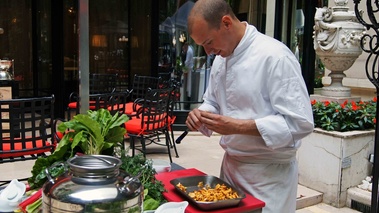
5	74
92	183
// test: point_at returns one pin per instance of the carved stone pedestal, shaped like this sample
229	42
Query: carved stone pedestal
337	39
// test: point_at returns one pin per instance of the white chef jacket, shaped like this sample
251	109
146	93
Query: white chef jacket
261	80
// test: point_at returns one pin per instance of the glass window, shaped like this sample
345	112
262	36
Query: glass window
15	40
109	38
179	56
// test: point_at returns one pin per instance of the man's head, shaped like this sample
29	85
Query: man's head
212	24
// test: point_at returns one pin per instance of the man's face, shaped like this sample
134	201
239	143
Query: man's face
214	41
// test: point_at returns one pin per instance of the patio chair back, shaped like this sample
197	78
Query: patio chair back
102	83
98	84
141	84
138	91
151	121
26	128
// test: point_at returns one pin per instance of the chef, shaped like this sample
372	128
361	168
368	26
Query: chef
257	100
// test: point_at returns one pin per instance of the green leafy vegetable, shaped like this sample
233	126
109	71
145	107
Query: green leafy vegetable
96	132
150	204
154	188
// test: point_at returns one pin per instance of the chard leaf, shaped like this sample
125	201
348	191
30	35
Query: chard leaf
93	128
77	139
115	135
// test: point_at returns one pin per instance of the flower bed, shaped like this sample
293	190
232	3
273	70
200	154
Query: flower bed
334	157
348	116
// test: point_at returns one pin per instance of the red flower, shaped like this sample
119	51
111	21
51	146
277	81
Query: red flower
346	116
354	105
313	102
374	99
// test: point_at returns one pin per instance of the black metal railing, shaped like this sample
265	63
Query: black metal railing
370	45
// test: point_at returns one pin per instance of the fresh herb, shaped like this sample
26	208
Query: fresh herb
93	132
97	132
153	188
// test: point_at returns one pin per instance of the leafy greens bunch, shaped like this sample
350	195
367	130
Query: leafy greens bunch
96	132
153	188
93	132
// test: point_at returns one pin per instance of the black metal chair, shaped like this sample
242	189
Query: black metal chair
138	91
99	84
151	121
174	100
27	128
103	83
114	102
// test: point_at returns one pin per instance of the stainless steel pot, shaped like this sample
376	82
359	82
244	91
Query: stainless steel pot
92	183
5	75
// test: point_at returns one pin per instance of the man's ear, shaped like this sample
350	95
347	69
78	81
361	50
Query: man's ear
226	21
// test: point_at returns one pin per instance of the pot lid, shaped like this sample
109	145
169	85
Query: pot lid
94	166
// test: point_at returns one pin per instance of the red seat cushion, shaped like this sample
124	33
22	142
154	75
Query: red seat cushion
129	108
118	107
73	105
133	126
6	147
59	134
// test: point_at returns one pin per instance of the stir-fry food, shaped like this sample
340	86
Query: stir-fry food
209	194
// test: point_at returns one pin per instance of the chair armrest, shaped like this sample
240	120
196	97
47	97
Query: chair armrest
73	97
57	135
137	104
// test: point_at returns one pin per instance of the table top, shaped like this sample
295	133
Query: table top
248	204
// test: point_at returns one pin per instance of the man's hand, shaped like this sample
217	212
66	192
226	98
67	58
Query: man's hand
221	124
225	125
218	123
193	123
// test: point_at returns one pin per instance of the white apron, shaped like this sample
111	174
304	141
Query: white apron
275	183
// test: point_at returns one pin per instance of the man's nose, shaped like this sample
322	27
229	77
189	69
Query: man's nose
209	50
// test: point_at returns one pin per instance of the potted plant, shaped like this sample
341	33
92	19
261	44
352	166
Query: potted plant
334	157
348	116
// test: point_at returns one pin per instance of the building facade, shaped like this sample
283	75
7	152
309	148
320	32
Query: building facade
56	44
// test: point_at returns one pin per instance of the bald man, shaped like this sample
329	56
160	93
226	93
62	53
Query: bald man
257	100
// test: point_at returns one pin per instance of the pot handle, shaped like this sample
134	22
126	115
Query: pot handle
131	185
56	164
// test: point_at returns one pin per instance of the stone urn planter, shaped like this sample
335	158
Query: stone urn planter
337	36
332	162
